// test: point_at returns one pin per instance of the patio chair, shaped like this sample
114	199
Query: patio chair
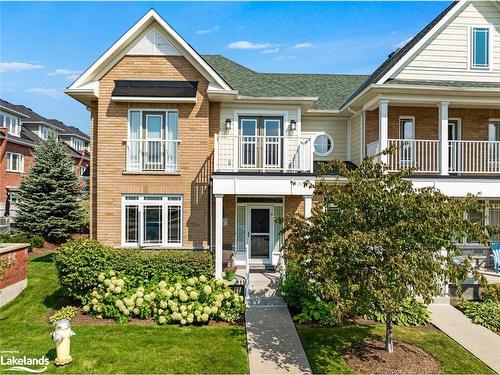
495	248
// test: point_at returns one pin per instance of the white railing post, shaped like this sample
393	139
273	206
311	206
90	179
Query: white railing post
218	235
247	273
216	152
443	139
383	127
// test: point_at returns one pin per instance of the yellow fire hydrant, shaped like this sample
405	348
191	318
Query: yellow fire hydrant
61	337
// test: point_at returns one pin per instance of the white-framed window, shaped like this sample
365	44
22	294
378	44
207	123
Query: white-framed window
480	46
494	141
83	168
12	123
323	144
15	162
152	143
406	132
12	196
44	132
152	220
77	144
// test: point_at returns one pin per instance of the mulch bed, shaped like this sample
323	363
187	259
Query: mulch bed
370	357
82	318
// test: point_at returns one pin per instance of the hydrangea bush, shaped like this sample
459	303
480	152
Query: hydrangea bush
180	301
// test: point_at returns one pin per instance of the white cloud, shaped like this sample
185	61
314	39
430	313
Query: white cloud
47	92
271	50
285	57
67	73
244	44
16	66
209	30
303	45
402	44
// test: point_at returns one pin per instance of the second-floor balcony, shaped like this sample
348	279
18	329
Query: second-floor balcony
159	156
464	157
287	154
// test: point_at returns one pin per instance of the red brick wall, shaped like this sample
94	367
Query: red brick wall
12	178
18	271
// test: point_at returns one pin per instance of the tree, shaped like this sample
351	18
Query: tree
48	203
375	239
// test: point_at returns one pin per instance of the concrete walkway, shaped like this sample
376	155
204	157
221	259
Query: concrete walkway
478	340
273	344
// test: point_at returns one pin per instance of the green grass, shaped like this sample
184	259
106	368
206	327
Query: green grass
324	347
124	348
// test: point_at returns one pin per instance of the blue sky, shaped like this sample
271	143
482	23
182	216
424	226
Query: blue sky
45	45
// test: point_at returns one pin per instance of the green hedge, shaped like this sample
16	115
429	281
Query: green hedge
34	241
79	263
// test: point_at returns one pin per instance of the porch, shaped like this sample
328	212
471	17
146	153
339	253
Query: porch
443	140
247	227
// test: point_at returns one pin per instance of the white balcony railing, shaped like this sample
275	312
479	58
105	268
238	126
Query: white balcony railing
419	154
234	153
373	149
152	155
474	157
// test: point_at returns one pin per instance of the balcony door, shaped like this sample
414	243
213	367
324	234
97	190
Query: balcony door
454	147
260	142
407	134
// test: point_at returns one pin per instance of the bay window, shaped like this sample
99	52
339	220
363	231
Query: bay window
152	144
10	122
152	220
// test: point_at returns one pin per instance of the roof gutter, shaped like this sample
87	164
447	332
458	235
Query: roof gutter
7	109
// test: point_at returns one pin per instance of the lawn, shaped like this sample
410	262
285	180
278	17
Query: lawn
115	348
324	346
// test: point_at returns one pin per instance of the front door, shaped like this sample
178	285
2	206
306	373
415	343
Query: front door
260	233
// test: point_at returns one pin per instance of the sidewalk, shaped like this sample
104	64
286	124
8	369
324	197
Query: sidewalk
478	340
273	344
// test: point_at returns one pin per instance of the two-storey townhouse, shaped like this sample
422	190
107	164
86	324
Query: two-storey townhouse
21	129
192	151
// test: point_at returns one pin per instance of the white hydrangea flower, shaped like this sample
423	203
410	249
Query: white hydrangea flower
207	289
193	295
162	284
112	273
191	281
203	279
178	286
118	290
183	321
162	320
94	301
136	311
204	317
189	319
86	308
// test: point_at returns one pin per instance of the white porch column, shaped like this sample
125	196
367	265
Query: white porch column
443	138
307	206
218	235
383	127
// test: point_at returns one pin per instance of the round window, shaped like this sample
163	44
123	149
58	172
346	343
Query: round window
323	145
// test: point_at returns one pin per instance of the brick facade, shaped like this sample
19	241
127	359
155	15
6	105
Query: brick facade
109	129
18	271
474	122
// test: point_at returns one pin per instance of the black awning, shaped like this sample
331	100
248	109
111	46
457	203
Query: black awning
157	89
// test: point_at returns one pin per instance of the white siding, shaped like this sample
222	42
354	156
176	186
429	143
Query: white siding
335	127
446	56
356	139
153	43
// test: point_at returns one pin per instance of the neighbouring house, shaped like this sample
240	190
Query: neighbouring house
193	151
21	129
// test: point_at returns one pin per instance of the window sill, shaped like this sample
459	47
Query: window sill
11	171
152	173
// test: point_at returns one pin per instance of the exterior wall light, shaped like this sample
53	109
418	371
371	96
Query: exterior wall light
293	125
228	124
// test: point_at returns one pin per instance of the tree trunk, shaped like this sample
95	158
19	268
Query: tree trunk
389	347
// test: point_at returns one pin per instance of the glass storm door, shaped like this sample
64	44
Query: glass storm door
259	232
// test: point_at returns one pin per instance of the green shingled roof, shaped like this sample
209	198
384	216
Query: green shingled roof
332	89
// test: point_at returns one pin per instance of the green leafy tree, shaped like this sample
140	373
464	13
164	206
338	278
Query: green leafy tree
48	203
375	239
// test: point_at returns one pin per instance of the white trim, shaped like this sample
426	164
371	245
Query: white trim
470	45
331	141
412	118
421	43
164	202
133	32
21	162
349	139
